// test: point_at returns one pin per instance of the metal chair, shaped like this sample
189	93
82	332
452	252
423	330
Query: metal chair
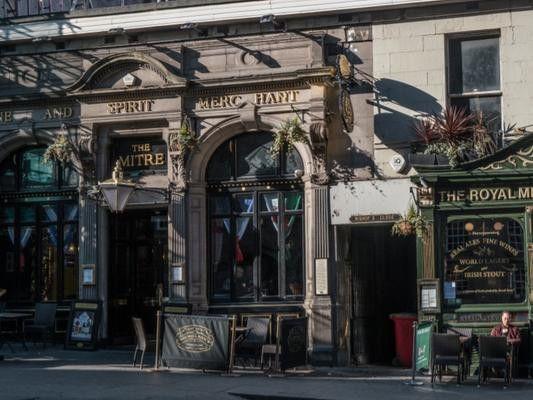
493	353
467	340
140	336
445	351
43	323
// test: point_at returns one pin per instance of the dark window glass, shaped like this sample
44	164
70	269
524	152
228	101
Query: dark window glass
220	164
244	203
48	263
293	201
485	262
244	257
475	65
70	261
248	156
7	215
270	202
27	284
28	215
292	162
267	262
35	171
8	167
220	205
70	212
253	156
293	254
489	107
221	257
269	255
48	213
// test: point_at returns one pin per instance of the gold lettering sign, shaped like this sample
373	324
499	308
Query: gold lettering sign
487	194
128	107
6	117
141	156
260	99
58	113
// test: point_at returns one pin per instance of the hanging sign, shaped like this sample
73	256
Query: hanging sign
137	155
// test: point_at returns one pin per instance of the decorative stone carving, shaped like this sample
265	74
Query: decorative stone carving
181	141
318	135
523	158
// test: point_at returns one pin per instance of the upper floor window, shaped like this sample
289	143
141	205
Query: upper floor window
27	170
474	76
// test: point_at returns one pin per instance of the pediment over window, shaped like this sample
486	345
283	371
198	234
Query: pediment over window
127	71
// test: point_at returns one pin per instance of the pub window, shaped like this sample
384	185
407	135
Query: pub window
256	226
485	262
474	76
38	228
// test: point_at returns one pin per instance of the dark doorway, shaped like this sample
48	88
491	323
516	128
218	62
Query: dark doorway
383	282
137	270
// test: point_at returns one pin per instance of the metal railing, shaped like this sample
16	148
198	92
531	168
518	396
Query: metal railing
27	8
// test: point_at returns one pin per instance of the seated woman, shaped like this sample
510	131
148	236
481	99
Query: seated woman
506	329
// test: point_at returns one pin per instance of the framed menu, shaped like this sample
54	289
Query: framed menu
84	320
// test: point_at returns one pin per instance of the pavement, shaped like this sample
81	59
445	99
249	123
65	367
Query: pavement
55	373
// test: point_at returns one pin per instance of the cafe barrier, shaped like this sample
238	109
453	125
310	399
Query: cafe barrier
196	341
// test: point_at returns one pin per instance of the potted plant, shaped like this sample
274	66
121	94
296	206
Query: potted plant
59	150
455	136
409	224
287	135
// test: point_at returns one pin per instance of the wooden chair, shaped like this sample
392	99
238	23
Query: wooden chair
445	351
140	336
255	338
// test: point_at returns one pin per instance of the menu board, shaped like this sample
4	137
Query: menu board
83	325
485	261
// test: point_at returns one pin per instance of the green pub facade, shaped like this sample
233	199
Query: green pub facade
475	259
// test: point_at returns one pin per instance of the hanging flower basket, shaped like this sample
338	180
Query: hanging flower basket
183	140
410	224
287	135
60	150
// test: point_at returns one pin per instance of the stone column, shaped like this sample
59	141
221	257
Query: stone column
177	233
88	219
197	247
103	232
320	304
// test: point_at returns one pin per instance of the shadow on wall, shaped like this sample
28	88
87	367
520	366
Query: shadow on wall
398	105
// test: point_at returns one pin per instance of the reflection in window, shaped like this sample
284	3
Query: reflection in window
248	156
257	254
38	239
474	76
35	171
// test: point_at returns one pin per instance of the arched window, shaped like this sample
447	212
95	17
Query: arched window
38	228
256	222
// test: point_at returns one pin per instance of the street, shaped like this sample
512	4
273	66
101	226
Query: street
107	374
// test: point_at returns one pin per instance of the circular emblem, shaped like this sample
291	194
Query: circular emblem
194	338
346	110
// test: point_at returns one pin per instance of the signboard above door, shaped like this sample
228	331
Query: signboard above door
141	156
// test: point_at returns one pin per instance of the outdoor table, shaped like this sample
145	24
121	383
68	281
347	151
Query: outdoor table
18	318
